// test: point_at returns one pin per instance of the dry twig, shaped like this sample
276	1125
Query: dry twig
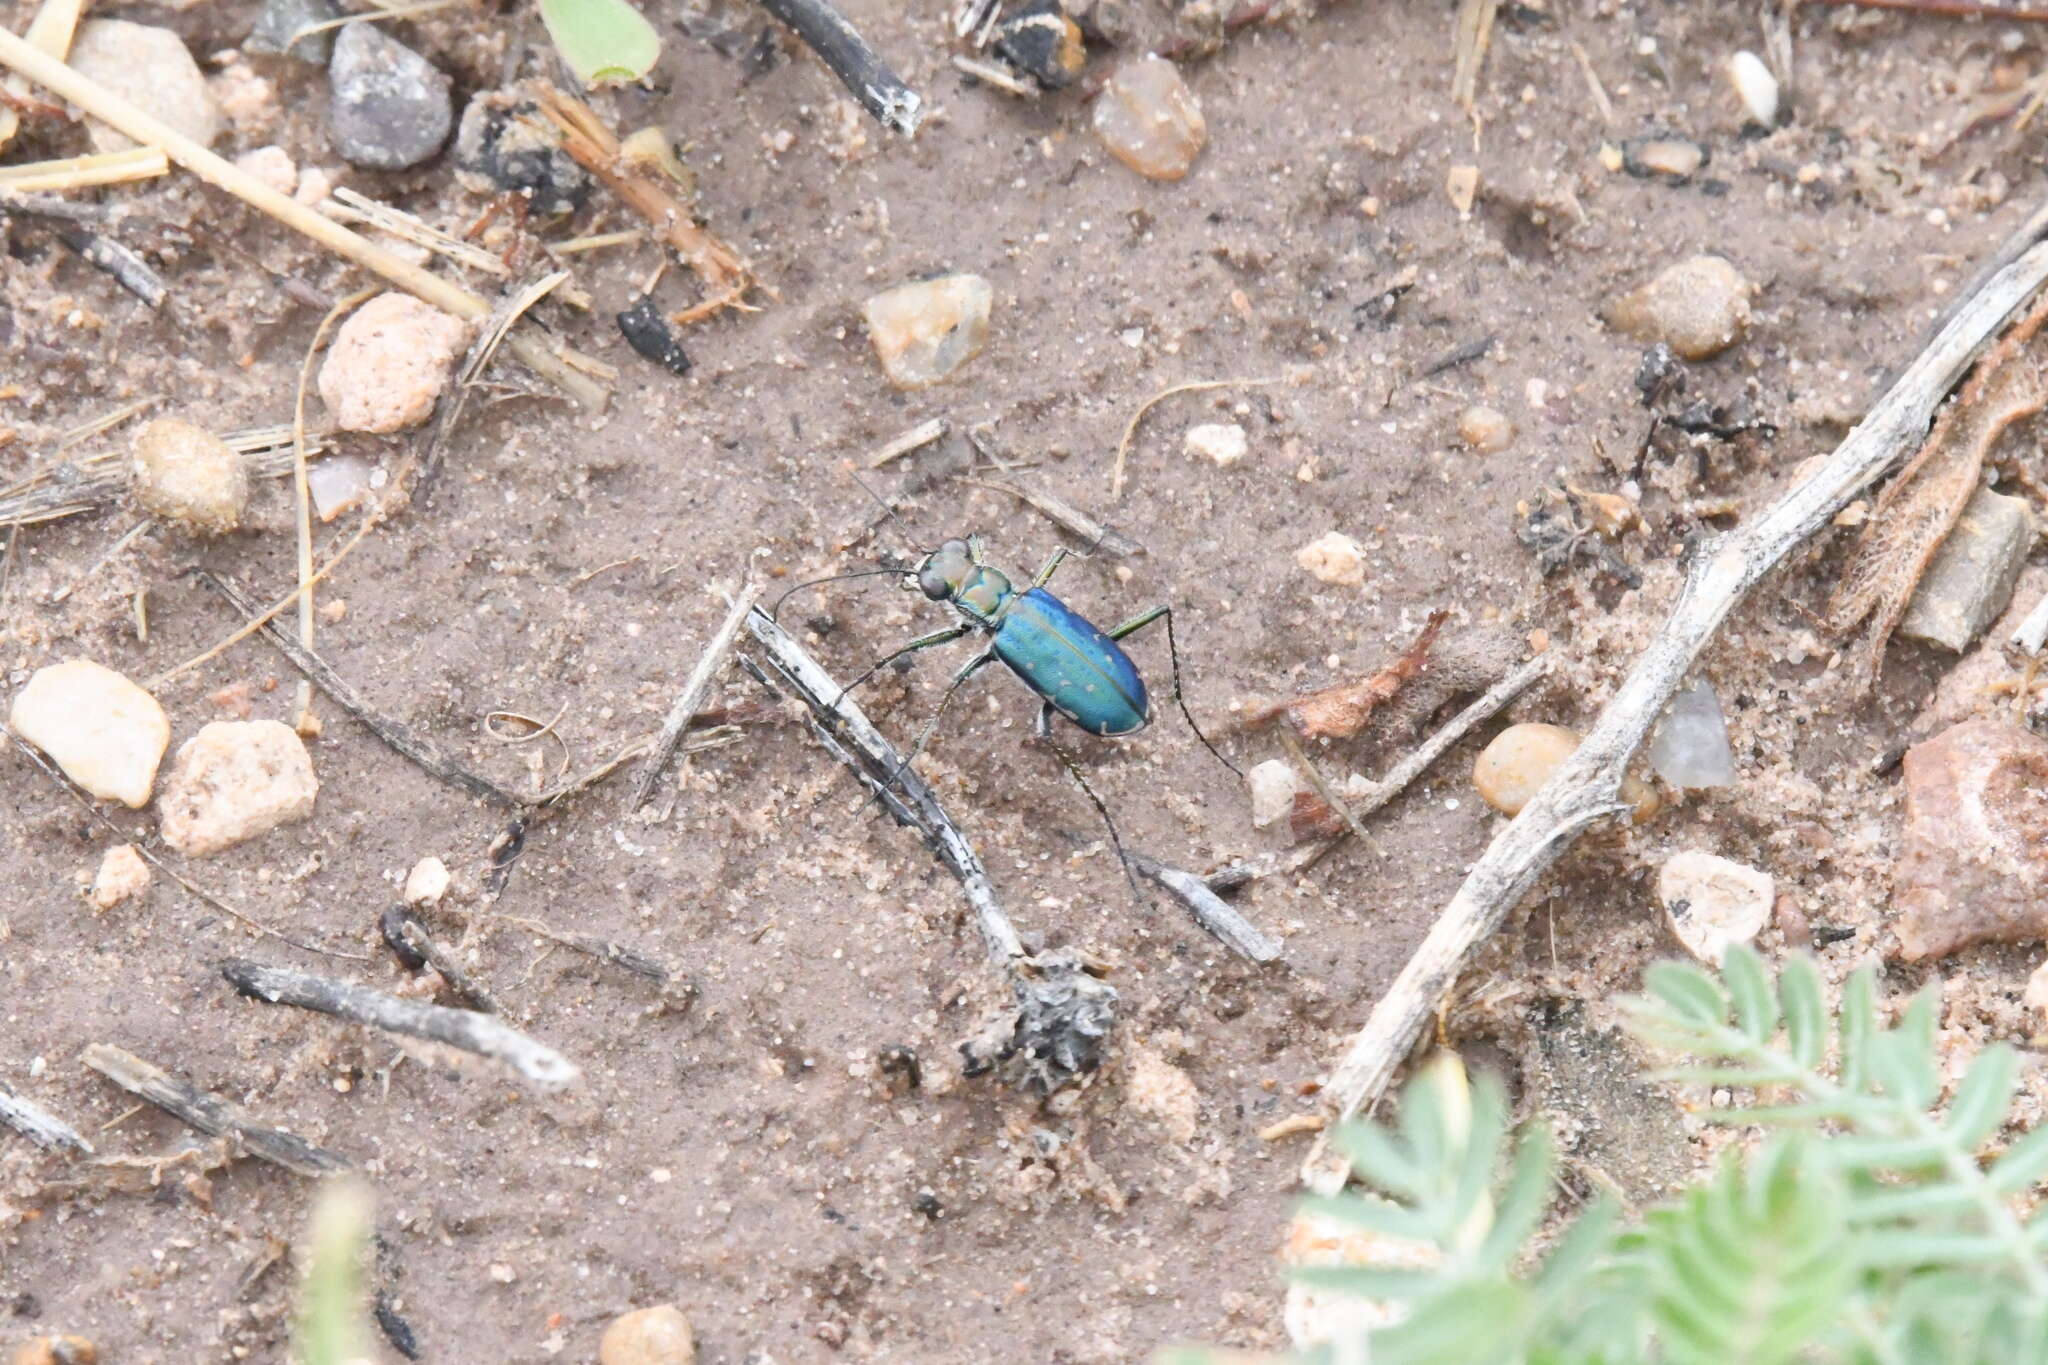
482	1034
38	1124
1123	445
691	698
211	1114
1587	786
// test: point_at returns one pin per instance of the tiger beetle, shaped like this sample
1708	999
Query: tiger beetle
1076	669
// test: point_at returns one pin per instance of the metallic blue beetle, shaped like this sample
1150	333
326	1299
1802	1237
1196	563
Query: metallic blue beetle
1077	669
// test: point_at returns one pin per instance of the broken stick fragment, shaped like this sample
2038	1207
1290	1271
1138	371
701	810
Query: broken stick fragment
472	1032
596	148
864	74
211	1114
38	1124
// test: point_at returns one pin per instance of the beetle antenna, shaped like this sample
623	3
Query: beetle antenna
888	507
828	578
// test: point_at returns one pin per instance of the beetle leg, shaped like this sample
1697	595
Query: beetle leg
937	637
967	670
1074	771
1051	567
1138	623
1044	727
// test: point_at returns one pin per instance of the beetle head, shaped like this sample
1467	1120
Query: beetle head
946	570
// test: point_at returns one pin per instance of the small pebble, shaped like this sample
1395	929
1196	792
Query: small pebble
1273	785
337	483
1221	442
1462	185
1712	902
1149	119
388	107
648	332
271	165
104	732
233	781
1690	748
648	1336
1793	925
1665	157
280	19
1974	858
923	332
1699	307
1334	558
1486	430
1755	86
501	149
1040	40
2036	997
151	69
427	882
1514	767
188	475
64	1350
122	875
389	362
1970	579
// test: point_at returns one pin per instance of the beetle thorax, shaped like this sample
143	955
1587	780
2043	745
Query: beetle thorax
984	591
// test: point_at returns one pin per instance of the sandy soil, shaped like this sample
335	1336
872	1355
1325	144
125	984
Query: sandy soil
744	1158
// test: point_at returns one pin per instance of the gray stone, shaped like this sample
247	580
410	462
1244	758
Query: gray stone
388	107
1971	577
280	19
1690	748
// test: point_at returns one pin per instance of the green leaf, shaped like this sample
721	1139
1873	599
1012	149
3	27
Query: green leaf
1978	1107
1756	1004
1380	1160
1858	1025
1754	1265
1368	1282
1481	1322
1522	1204
1694	1000
1475	1168
1913	1201
1806	1014
1587	1239
1905	1249
2022	1164
1370	1213
605	42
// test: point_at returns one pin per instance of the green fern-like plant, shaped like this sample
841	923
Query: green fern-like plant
1871	1226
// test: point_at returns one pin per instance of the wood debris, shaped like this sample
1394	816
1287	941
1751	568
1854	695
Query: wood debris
1919	508
596	148
1340	712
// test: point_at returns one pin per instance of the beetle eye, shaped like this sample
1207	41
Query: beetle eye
933	583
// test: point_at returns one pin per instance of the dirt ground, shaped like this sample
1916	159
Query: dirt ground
744	1158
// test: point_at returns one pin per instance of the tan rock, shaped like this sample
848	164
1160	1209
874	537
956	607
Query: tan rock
648	1336
1700	307
1514	767
389	362
1712	903
122	876
1149	120
1486	430
1974	865
107	734
62	1350
190	476
233	781
427	882
925	331
1334	558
